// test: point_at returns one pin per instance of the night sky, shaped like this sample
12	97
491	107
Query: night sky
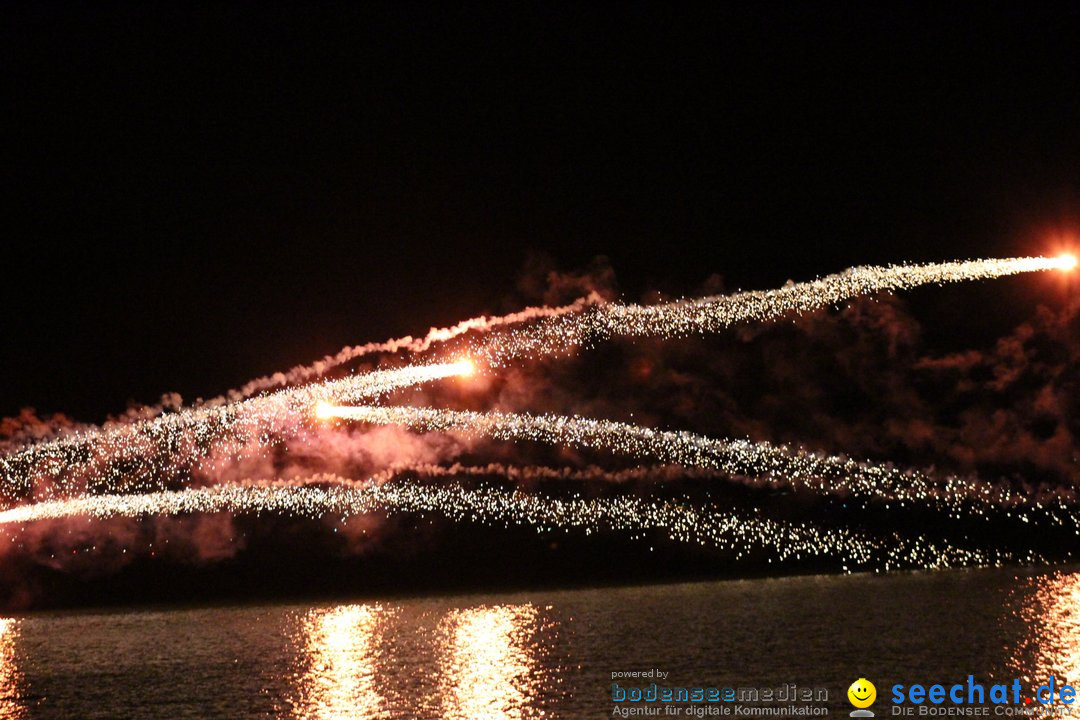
196	196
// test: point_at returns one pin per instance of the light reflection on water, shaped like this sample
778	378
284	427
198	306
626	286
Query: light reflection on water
485	663
341	647
1049	608
538	654
489	666
11	705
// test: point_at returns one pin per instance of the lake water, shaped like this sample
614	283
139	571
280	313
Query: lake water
539	654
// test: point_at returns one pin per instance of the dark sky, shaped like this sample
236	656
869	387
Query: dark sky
193	197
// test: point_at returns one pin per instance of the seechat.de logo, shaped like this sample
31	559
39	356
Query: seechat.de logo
862	694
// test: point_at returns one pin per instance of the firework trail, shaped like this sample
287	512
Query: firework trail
529	473
409	344
777	465
597	323
155	454
546	330
268	495
741	534
152	454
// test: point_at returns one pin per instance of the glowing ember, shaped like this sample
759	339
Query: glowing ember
1066	261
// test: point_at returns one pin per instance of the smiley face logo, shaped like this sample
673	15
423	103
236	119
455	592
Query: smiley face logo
862	693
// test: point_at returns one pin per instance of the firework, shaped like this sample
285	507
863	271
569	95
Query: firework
409	344
152	454
540	331
781	466
148	459
741	534
684	317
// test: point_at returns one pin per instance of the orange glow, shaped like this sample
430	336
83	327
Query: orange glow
464	367
342	647
324	410
11	705
490	670
1066	261
1049	608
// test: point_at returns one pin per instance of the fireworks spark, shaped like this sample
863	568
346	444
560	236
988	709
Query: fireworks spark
464	367
152	454
559	333
131	468
741	534
409	344
777	465
540	331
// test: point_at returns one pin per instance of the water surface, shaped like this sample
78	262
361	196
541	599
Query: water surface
538	654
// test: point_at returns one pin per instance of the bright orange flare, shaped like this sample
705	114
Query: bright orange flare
1066	261
324	410
464	367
